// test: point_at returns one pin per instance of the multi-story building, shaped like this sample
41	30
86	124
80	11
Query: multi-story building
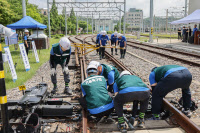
134	19
193	5
44	11
104	24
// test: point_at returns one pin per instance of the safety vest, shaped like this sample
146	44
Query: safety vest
127	81
107	69
161	71
58	57
95	88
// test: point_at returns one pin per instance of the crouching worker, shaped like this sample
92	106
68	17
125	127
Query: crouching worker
130	88
109	72
94	89
60	54
168	78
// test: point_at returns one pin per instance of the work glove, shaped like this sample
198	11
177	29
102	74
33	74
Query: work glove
66	70
153	87
110	88
53	71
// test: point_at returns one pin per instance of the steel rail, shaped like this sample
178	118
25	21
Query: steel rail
83	77
166	55
188	125
167	49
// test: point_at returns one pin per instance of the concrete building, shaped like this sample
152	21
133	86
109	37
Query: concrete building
103	24
44	11
134	19
193	5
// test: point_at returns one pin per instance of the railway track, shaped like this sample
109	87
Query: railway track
186	57
177	116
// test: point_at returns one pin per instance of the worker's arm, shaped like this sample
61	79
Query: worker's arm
115	88
83	91
125	42
52	58
152	80
25	40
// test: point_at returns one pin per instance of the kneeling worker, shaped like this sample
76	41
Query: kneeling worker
94	89
130	88
60	54
165	79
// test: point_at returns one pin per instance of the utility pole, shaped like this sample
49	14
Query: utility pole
99	23
120	20
65	22
151	22
185	8
76	23
166	20
87	24
92	23
124	17
49	19
24	7
154	23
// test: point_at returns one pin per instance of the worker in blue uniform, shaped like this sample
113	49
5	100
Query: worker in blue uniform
97	41
26	35
113	42
94	89
165	79
122	44
130	88
103	41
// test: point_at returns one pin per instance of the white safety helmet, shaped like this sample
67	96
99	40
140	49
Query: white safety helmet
65	43
91	68
124	73
115	33
26	30
104	33
119	35
96	63
101	32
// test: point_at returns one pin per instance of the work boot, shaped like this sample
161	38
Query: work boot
111	53
116	53
121	57
54	89
187	112
122	127
68	90
100	57
131	120
154	118
140	123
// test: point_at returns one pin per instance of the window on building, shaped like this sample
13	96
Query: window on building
45	13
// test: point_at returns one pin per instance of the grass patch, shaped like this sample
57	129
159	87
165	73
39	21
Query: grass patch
22	75
173	36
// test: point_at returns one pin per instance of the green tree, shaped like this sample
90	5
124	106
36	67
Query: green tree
54	17
32	11
6	13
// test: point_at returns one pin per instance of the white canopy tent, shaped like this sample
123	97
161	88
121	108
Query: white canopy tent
192	18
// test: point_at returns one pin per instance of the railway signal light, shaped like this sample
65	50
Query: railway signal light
151	30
